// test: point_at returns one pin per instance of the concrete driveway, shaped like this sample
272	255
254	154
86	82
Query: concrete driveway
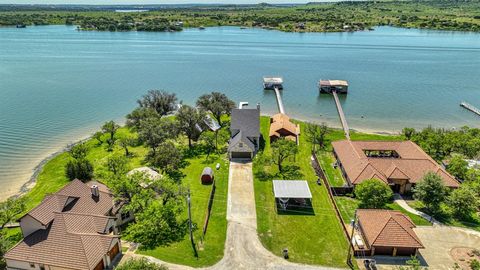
438	240
243	249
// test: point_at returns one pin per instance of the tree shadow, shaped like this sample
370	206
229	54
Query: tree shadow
295	209
262	143
290	172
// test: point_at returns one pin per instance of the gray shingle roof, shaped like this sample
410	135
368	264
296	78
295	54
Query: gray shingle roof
247	120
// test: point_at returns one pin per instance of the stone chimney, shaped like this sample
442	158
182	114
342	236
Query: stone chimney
95	191
258	106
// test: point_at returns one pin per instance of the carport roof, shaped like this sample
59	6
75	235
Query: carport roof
291	189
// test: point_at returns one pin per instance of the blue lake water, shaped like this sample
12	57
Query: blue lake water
58	85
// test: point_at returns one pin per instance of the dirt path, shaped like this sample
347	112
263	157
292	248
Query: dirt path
243	249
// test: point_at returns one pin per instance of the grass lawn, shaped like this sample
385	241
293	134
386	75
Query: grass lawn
52	178
334	176
211	250
312	237
347	207
446	217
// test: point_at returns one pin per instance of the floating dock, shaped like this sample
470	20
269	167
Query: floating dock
342	115
470	107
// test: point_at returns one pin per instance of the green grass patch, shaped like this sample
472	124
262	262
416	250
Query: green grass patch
52	178
348	205
312	236
210	249
446	217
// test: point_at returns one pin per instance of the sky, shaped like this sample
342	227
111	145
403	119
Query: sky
137	2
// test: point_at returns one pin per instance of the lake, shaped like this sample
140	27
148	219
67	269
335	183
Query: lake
58	85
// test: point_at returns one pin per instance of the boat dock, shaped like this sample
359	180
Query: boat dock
342	115
279	100
470	107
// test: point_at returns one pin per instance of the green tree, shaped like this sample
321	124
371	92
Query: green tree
10	209
155	131
458	166
209	142
408	133
80	169
160	224
316	134
125	143
135	118
412	264
168	158
162	102
373	193
133	191
463	201
140	264
431	192
99	137
216	103
111	128
79	151
189	122
281	150
117	164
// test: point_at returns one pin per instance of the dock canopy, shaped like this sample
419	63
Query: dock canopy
291	189
270	82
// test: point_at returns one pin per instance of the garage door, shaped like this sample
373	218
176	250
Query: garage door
242	155
383	250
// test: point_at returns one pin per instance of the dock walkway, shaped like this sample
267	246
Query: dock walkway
470	107
279	100
342	115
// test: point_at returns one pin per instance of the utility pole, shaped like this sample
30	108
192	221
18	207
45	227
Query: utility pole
190	225
350	239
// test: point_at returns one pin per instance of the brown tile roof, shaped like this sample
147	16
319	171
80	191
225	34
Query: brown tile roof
282	126
412	164
63	244
387	228
77	224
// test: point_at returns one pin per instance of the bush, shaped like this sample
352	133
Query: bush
140	264
463	202
431	192
373	193
80	169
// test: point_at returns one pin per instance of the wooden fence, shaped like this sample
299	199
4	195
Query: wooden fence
321	174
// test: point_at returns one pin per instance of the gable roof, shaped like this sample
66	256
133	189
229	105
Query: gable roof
76	224
72	244
240	138
412	164
387	228
246	120
281	121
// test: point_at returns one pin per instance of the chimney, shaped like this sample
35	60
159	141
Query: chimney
95	192
258	106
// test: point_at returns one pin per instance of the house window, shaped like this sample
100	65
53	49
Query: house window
240	145
125	215
32	265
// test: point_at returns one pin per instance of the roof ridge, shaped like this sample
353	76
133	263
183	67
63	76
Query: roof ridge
84	214
382	229
407	231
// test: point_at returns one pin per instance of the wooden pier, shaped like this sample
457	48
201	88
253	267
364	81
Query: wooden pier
470	107
279	100
342	115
